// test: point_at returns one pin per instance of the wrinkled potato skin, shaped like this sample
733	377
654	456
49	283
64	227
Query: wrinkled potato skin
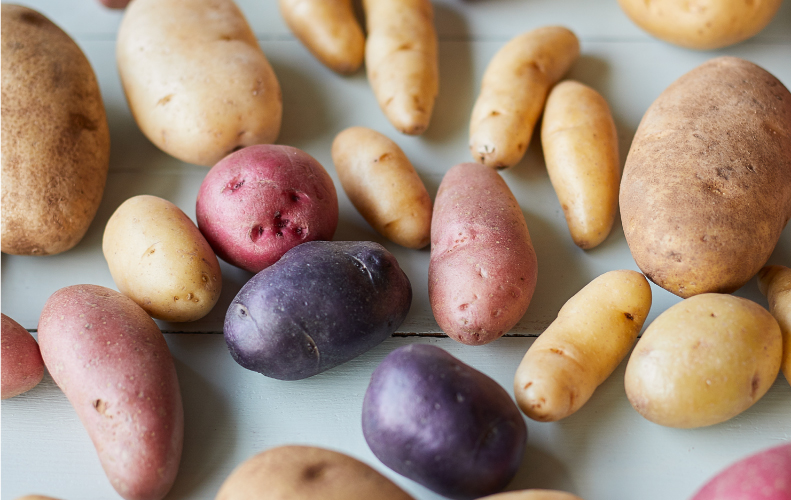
532	495
195	78
55	140
383	186
580	146
592	334
706	189
704	361
307	473
159	258
329	29
702	24
514	88
21	363
775	283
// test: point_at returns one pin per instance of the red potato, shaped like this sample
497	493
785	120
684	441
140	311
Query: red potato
110	359
483	270
763	476
22	366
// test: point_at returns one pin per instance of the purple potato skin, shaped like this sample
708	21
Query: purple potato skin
322	304
443	424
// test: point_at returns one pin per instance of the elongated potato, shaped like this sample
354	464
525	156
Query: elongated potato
383	186
532	495
592	334
21	363
580	146
513	91
401	61
329	29
482	271
196	80
775	283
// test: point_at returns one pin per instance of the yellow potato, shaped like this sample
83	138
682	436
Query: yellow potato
383	186
329	30
592	334
513	91
775	283
580	146
159	259
704	361
532	495
401	61
196	80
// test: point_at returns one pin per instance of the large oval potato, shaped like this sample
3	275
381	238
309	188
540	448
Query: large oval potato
706	189
159	258
20	360
196	80
775	283
110	359
482	272
55	140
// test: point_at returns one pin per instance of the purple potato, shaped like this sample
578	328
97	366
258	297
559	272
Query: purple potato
440	422
322	304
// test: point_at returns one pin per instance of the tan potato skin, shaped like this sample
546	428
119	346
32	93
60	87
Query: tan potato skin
20	361
195	78
55	141
580	146
329	29
307	473
37	497
514	88
704	361
383	186
159	258
532	495
701	24
592	334
402	62
706	188
775	283
110	359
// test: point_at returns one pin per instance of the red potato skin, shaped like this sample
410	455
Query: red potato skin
21	363
763	476
483	268
111	360
115	4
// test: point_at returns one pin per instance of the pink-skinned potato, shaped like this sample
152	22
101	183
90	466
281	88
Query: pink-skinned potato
112	362
765	475
261	201
482	271
21	363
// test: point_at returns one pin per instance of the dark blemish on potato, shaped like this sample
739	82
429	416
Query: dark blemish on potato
675	256
176	298
382	157
724	172
713	315
754	386
165	100
234	185
225	38
751	168
295	198
520	146
33	18
242	311
279	234
313	472
557	351
463	307
256	233
629	316
81	122
101	407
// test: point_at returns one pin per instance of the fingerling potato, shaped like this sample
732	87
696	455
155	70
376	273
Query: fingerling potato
775	283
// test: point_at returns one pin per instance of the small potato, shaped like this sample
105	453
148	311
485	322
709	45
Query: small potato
533	495
704	361
196	80
401	61
110	359
580	146
592	334
513	90
307	473
775	283
383	186
36	497
21	363
329	29
159	259
483	270
765	475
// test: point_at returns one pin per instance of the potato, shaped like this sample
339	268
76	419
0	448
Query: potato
112	362
383	186
196	80
55	140
766	475
440	422
329	29
261	201
706	189
159	259
592	334
36	497
21	363
483	270
322	304
580	146
703	361
775	283
307	473
533	495
401	61
514	87
115	4
704	24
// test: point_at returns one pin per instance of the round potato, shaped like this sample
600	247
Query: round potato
21	363
703	361
775	283
55	140
766	475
